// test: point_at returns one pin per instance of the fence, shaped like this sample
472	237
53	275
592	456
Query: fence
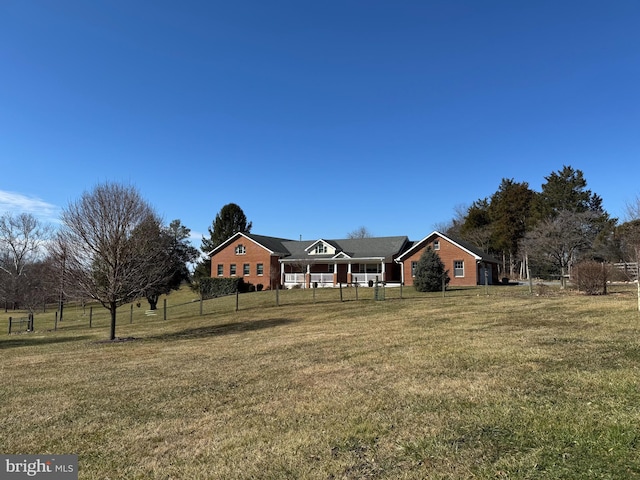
187	306
22	324
630	269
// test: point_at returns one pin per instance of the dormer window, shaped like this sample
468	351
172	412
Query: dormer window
240	249
320	248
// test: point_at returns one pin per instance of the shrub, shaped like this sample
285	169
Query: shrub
218	287
430	272
591	277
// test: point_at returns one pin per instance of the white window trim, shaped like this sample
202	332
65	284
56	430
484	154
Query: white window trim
454	269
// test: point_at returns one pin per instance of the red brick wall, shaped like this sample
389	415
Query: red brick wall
448	253
254	254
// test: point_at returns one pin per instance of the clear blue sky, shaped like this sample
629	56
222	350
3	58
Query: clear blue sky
316	117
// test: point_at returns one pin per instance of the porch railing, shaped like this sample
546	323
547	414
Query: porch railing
327	278
322	278
294	278
363	278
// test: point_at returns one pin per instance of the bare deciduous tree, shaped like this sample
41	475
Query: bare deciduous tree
360	232
22	244
111	248
633	209
560	240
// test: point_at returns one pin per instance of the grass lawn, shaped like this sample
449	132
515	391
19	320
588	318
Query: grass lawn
505	385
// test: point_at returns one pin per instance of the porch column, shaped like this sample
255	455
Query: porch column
307	277
335	274
384	272
282	274
349	275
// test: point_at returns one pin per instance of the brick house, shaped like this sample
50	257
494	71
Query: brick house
272	261
466	263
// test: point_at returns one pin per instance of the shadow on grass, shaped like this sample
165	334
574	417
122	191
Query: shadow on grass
24	340
225	329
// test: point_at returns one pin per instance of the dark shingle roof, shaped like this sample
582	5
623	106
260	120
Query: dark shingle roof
374	247
275	244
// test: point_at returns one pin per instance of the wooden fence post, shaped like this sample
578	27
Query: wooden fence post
90	316
164	315
10	319
341	291
237	299
131	315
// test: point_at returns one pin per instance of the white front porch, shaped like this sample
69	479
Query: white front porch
372	272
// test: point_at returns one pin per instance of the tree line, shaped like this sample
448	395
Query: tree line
546	233
111	248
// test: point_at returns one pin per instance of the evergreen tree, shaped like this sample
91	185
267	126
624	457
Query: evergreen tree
229	221
477	225
430	272
510	212
176	253
564	190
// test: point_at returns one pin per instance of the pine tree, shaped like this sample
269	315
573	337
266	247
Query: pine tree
430	272
229	221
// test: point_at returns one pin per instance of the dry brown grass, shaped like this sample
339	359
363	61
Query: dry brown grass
467	386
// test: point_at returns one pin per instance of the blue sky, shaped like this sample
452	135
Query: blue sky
316	117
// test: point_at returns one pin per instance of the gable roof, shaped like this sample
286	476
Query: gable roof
273	245
374	247
471	249
353	248
331	243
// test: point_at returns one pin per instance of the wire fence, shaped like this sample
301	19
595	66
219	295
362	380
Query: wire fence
77	316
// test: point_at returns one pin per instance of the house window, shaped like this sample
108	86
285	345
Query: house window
373	268
245	269
232	269
240	249
321	248
436	244
458	268
260	269
414	265
220	270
